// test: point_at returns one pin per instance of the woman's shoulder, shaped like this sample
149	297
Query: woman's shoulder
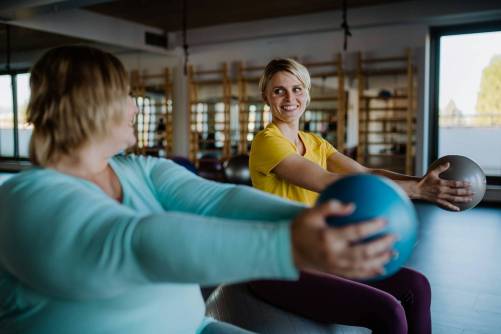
269	133
144	168
266	132
124	159
139	162
32	176
133	162
36	185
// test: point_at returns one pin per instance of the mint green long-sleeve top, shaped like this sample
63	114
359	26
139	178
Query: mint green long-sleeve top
73	260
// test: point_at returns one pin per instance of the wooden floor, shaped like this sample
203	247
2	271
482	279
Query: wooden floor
460	253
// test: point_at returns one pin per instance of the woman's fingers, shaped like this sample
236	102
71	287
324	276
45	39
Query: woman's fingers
335	249
455	184
355	232
441	168
447	192
369	268
456	188
447	200
447	205
368	250
313	245
463	192
334	208
457	199
455	191
359	260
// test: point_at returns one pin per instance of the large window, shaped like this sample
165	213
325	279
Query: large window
467	95
6	117
23	97
14	131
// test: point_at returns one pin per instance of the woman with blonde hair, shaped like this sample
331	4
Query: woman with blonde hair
95	242
298	165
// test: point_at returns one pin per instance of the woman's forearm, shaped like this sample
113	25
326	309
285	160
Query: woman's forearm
394	176
408	183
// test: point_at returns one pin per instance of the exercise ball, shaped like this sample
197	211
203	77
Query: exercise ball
463	169
384	94
211	169
236	169
237	305
377	197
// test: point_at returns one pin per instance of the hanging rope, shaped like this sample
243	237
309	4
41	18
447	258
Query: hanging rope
185	37
345	27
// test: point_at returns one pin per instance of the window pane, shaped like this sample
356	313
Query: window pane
23	97
6	117
470	98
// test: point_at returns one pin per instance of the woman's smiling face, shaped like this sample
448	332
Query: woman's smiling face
286	96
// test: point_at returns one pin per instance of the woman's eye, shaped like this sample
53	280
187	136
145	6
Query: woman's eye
278	91
298	90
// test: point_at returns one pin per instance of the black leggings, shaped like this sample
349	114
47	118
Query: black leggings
399	304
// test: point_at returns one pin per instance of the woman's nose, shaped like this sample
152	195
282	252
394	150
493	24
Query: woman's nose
288	95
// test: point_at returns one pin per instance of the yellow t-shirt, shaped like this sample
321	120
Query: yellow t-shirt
270	147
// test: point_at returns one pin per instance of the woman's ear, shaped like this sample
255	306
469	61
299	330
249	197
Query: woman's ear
263	95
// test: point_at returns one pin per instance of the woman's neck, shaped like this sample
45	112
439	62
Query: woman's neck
86	162
289	130
91	164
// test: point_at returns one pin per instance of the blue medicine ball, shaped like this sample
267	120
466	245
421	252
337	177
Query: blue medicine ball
377	197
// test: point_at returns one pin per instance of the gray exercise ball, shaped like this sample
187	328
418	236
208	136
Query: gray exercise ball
464	169
237	305
236	169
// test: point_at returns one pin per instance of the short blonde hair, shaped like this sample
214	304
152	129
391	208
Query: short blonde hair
285	65
76	93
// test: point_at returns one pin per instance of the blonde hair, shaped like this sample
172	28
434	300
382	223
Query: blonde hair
76	93
285	65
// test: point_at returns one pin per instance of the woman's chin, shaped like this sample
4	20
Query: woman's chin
132	141
291	116
289	119
123	148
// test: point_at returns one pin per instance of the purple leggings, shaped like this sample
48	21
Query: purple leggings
399	304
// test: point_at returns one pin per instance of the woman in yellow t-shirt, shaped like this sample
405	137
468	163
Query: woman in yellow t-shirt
297	165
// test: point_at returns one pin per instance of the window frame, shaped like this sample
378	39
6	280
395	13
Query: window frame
434	92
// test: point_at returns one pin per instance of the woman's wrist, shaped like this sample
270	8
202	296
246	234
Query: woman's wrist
411	187
415	189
